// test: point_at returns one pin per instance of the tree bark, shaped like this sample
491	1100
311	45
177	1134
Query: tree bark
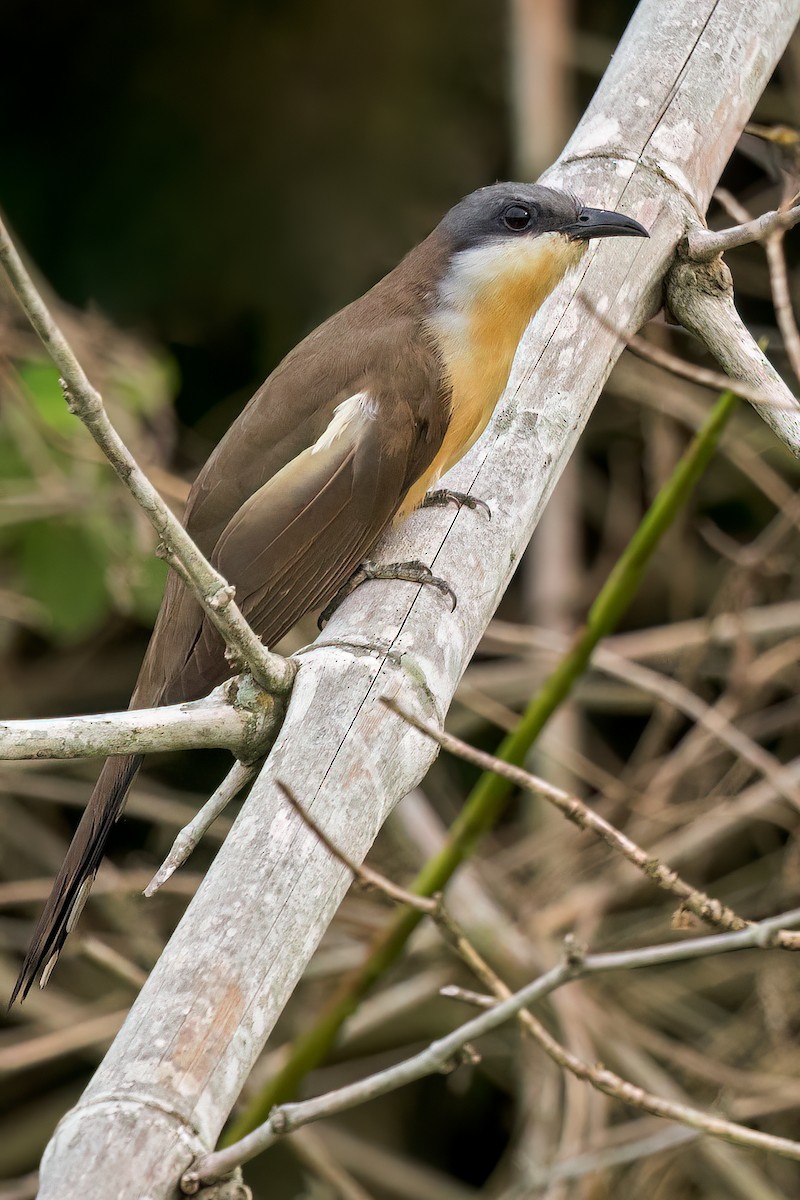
653	142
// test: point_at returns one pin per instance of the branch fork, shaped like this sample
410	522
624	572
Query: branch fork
704	245
699	296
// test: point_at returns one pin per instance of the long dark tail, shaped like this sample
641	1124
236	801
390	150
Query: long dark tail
78	870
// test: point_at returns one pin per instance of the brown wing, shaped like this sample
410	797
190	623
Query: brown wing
284	524
293	544
287	550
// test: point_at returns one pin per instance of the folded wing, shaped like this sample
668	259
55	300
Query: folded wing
291	545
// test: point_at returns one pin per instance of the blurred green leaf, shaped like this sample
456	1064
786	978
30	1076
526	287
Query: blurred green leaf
90	561
12	464
63	568
40	380
146	386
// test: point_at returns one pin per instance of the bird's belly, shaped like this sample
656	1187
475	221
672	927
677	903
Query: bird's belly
486	305
477	377
471	412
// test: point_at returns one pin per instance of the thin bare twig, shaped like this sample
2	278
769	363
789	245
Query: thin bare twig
704	244
689	410
665	641
708	831
272	672
114	962
782	300
614	1085
189	837
702	376
700	296
773	226
34	891
733	207
686	701
477	999
601	1160
440	1055
80	1035
313	1153
693	899
366	876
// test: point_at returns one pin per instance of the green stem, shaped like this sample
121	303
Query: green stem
488	797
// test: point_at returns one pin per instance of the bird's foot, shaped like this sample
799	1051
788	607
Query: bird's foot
461	500
410	572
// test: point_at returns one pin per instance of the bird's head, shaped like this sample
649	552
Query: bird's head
508	245
518	212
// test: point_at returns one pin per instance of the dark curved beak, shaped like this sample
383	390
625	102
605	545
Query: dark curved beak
598	223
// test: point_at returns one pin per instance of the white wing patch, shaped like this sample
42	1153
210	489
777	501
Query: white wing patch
347	417
79	901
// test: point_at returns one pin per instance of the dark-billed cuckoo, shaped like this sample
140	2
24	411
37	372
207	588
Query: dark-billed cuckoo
344	438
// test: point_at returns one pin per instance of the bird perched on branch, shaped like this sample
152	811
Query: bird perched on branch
344	438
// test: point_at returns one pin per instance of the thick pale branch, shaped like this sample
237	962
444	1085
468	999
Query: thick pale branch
776	259
270	670
239	719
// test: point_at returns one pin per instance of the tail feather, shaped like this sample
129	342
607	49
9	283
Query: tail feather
78	870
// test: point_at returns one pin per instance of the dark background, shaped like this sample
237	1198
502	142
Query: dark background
224	175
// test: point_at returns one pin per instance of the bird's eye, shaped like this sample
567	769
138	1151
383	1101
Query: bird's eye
516	217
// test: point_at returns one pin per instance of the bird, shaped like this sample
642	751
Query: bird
343	440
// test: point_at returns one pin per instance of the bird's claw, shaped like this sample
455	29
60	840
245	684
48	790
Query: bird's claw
419	572
444	496
410	572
